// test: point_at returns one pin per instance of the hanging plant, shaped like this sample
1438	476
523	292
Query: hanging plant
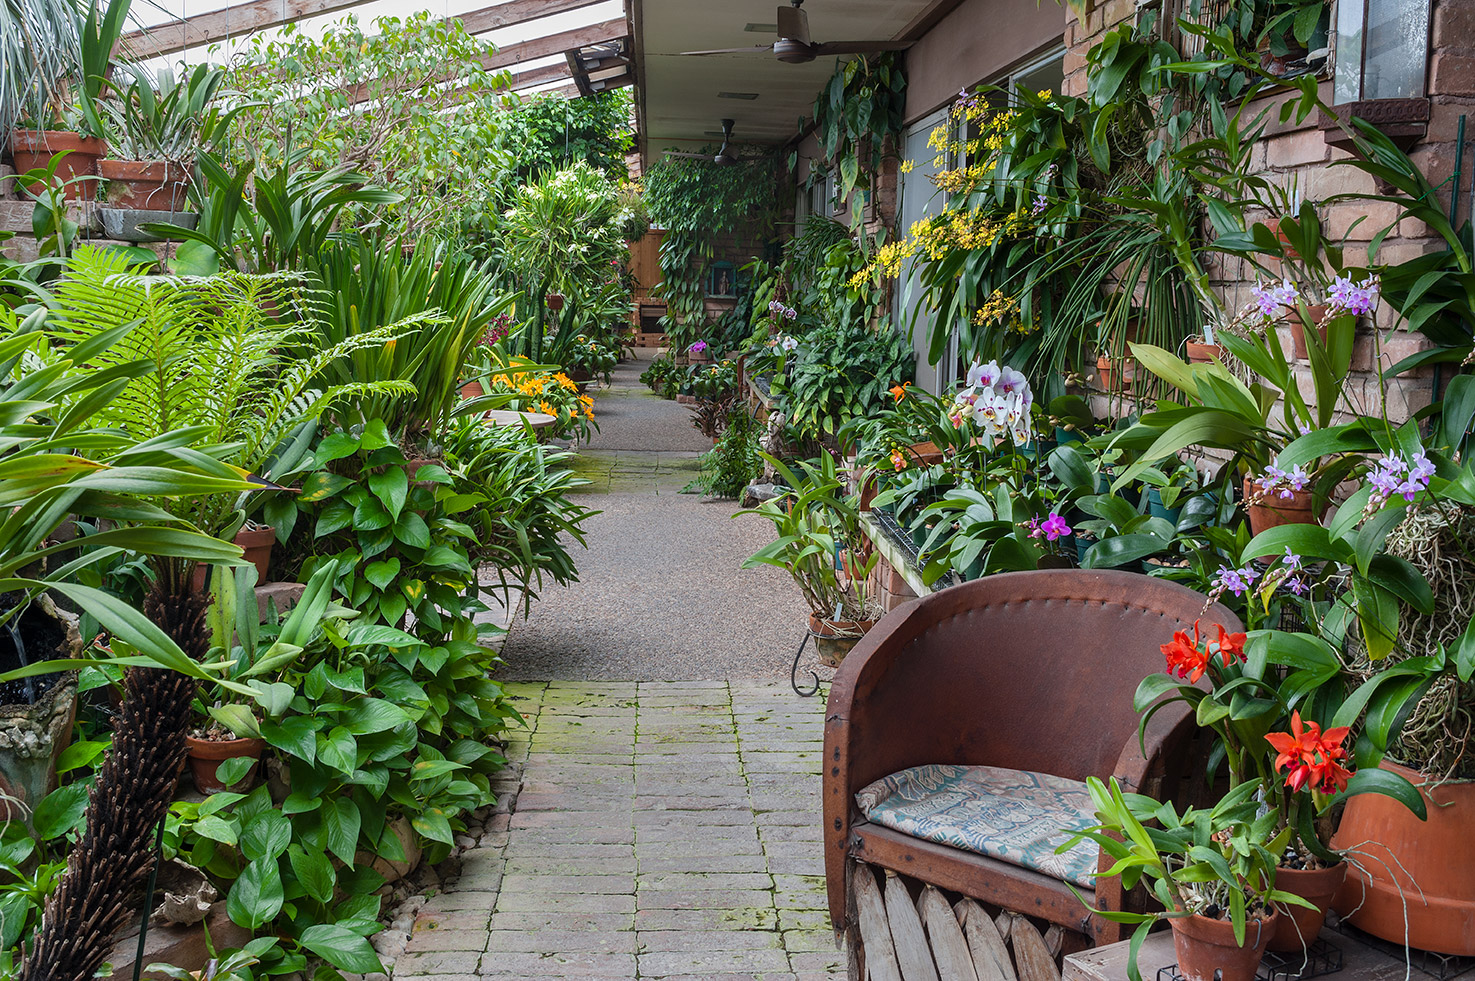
858	119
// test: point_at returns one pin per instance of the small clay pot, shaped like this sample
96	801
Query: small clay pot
33	150
1116	377
206	755
156	185
833	639
1202	353
1207	950
1299	926
472	390
1298	330
925	454
1274	510
257	543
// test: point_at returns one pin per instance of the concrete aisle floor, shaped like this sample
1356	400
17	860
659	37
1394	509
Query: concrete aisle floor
660	817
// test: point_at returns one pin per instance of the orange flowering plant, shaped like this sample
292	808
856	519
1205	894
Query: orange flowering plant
1283	712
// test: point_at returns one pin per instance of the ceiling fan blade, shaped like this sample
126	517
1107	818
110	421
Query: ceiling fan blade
723	51
793	23
859	47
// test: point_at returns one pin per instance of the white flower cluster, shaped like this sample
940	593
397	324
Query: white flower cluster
996	400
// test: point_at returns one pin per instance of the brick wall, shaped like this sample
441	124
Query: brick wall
1300	153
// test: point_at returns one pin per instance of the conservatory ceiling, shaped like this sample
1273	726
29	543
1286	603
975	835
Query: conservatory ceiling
680	101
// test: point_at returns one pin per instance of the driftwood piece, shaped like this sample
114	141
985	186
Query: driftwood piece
990	956
880	954
1030	954
1055	940
912	952
949	948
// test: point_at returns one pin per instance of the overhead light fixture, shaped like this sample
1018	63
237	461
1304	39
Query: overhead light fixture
761	28
745	96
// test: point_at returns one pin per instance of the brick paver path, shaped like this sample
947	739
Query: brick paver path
653	830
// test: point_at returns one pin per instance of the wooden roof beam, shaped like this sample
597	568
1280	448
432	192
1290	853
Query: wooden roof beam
513	12
202	29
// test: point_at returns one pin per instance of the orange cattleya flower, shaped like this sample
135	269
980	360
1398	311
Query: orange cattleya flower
1311	757
899	392
1184	657
897	460
1231	646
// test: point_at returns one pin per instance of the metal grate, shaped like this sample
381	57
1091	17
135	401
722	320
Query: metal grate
899	536
1318	959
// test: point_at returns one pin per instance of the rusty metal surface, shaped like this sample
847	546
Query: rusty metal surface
1027	670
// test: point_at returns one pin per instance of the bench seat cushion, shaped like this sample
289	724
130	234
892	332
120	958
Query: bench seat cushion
1015	816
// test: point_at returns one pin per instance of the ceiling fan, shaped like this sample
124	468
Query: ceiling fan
795	47
722	158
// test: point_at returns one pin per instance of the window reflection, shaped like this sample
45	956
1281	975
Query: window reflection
1382	49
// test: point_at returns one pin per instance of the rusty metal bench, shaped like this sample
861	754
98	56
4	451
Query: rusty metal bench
1029	671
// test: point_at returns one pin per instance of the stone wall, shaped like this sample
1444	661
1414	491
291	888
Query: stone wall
1289	152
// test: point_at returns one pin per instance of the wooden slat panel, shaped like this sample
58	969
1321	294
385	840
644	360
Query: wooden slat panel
946	937
880	953
912	952
256	15
1030	955
990	956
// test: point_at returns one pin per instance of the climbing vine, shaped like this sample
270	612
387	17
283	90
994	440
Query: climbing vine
697	201
858	120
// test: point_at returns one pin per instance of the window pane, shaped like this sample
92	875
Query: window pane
1382	49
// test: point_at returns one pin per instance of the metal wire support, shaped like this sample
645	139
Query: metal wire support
148	898
794	674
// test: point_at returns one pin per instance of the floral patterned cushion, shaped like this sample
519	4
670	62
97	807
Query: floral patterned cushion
1013	815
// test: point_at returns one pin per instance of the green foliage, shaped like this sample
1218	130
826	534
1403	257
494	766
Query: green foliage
438	306
842	372
547	132
38	55
431	134
858	118
734	462
161	118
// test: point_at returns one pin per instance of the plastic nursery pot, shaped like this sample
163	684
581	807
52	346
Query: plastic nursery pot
833	639
157	185
1298	925
33	150
1429	870
206	755
1298	330
1083	545
1207	951
1157	509
1202	353
1274	510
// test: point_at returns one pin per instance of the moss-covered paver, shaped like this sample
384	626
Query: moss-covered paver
656	830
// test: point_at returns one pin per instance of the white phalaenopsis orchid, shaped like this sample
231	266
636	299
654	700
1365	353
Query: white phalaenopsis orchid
996	400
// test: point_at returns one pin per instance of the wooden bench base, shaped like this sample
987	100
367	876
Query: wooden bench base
905	930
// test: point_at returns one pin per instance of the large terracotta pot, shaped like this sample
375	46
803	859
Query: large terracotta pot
257	544
1298	925
206	755
1207	951
156	185
33	149
833	639
1298	330
1424	867
1274	510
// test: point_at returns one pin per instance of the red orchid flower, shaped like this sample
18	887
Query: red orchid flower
1231	646
1311	757
1185	658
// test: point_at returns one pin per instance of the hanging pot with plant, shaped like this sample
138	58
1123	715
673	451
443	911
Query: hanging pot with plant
1202	351
834	639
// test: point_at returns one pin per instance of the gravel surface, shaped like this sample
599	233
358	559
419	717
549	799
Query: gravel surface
662	595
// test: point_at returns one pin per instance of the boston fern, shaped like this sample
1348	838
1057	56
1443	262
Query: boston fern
213	356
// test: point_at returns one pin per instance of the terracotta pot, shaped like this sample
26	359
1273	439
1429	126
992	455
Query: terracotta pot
926	454
698	357
155	185
257	544
1274	223
1275	511
1426	867
1298	925
206	755
34	149
1116	377
580	376
1298	330
472	389
833	639
1201	353
554	301
1207	951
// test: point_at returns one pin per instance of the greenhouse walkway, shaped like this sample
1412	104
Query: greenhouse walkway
648	827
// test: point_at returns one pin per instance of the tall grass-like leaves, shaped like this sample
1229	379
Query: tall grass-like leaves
38	49
443	305
213	362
